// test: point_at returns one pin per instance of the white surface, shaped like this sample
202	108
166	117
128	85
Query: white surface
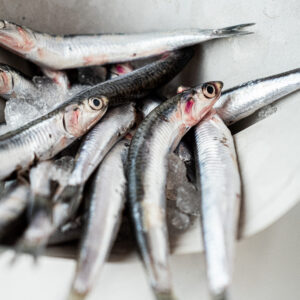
268	151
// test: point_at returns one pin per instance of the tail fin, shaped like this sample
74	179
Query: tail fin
232	30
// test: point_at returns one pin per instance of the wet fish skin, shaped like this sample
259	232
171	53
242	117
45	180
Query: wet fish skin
43	220
65	52
219	182
241	101
12	205
68	232
45	137
58	77
106	203
98	142
14	84
157	135
149	103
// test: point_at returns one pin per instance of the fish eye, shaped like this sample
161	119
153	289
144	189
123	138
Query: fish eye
209	91
97	103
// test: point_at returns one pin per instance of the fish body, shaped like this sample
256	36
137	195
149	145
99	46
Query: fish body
98	142
156	136
44	220
105	207
43	138
243	100
12	205
14	84
65	52
219	182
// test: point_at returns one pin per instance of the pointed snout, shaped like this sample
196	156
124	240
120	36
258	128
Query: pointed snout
218	84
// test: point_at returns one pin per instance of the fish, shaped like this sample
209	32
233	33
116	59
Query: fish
46	136
60	78
74	51
13	204
98	142
218	179
243	100
43	217
156	136
149	103
106	202
69	232
14	84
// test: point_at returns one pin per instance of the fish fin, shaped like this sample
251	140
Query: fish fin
232	30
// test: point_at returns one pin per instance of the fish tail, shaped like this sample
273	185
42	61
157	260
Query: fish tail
232	30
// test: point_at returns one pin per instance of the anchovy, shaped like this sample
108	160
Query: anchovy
58	77
98	142
120	69
105	207
46	136
14	84
68	232
65	52
43	222
149	103
220	185
12	205
157	135
243	100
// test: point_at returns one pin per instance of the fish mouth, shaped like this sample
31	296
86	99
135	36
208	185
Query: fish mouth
16	38
219	85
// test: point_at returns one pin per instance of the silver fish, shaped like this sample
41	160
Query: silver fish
97	143
157	135
71	231
105	207
45	137
219	181
243	100
60	78
12	205
14	84
44	220
65	52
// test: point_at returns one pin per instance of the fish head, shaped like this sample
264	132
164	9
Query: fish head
196	102
6	80
80	117
16	38
121	69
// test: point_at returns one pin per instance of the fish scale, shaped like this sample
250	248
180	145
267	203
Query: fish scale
158	134
73	51
58	123
219	182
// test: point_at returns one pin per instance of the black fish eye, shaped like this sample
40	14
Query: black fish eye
210	89
96	102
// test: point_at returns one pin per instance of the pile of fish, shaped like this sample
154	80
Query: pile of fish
83	147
